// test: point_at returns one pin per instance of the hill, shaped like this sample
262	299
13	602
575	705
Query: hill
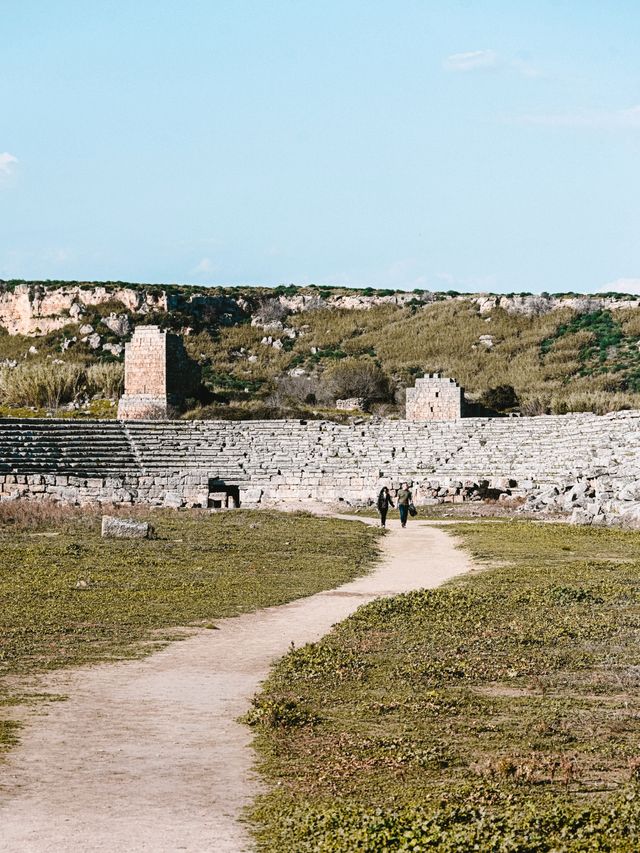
292	351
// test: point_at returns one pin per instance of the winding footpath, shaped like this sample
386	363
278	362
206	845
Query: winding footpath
148	755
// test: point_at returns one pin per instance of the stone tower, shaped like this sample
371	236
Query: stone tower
434	398
157	375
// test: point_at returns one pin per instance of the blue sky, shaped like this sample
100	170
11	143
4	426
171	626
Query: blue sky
441	144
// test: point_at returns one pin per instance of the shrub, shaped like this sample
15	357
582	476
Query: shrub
106	379
46	384
356	377
279	713
500	398
271	311
297	390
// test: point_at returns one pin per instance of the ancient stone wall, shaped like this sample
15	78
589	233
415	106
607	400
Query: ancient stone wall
186	462
157	375
434	398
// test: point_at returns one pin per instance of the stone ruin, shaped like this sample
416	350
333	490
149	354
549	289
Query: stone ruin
351	404
559	462
583	464
158	375
434	398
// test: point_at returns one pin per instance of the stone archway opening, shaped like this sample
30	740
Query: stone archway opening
223	495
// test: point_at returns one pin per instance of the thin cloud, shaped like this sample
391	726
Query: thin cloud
622	285
525	69
471	60
204	266
476	60
594	119
57	255
7	162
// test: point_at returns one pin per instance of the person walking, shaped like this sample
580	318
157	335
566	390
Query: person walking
384	502
404	498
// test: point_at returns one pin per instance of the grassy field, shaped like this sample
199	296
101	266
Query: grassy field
69	597
498	713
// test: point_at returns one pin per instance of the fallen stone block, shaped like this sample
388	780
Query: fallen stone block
630	492
630	514
580	516
125	528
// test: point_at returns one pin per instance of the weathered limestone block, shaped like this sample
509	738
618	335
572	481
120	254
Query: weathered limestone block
173	500
630	492
581	516
197	498
125	528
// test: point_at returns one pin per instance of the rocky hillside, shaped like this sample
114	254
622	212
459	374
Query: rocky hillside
294	351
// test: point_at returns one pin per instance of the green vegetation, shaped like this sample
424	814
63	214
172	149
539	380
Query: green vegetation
499	712
550	363
544	367
69	597
8	733
605	347
94	409
357	377
48	385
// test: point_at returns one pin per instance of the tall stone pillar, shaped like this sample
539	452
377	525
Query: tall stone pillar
434	398
157	375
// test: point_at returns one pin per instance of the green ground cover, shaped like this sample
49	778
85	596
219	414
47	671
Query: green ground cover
559	361
69	597
498	713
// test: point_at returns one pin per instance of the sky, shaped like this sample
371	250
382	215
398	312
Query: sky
432	144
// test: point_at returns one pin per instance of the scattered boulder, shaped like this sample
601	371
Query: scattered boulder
630	514
125	528
580	516
630	492
119	324
597	499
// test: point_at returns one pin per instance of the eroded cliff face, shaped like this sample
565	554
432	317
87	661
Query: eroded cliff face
36	309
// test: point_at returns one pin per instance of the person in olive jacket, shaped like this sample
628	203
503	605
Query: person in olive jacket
384	502
404	498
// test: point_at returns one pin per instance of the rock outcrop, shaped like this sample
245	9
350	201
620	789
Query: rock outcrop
39	308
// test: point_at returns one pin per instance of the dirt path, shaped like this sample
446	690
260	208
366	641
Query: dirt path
147	755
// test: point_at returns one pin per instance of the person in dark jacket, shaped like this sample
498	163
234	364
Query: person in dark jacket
404	498
384	502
